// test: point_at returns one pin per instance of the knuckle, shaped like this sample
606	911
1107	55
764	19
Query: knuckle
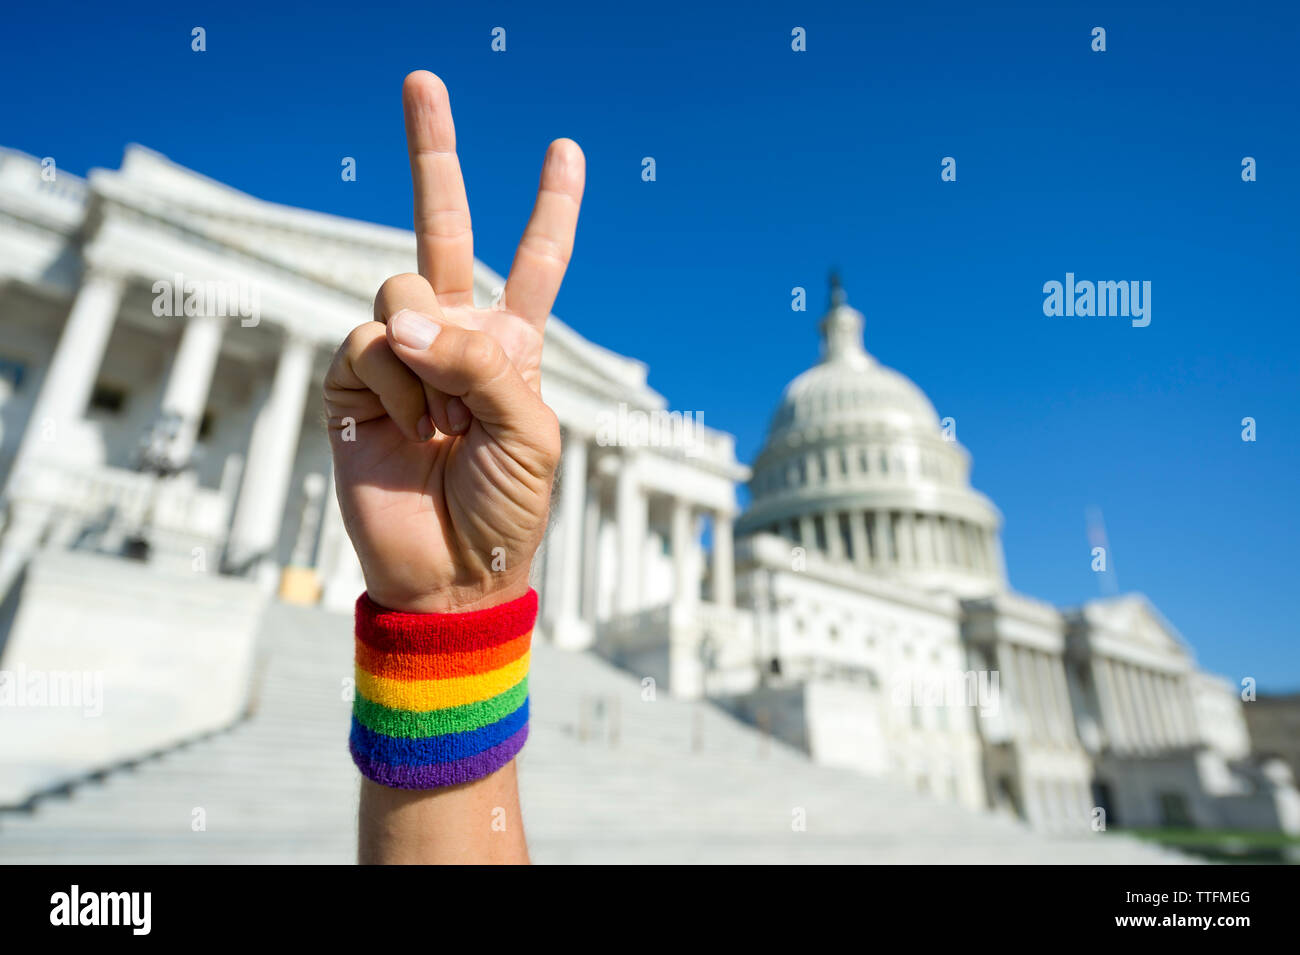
356	340
547	248
481	356
549	434
450	223
398	289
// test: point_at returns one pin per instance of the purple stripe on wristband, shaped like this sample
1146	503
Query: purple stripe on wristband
433	775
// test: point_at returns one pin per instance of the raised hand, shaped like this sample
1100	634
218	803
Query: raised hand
444	452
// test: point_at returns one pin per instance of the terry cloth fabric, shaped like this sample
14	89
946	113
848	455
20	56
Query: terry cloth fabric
441	698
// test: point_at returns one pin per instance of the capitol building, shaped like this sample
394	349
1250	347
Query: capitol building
163	458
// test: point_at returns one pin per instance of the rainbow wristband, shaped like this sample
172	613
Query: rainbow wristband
441	698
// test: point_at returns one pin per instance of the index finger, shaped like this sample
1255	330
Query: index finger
444	237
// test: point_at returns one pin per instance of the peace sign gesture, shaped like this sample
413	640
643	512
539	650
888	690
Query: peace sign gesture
444	452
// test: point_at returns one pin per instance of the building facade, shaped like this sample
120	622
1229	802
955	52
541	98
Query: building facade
164	338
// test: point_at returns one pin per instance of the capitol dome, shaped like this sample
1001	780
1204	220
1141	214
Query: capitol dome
858	466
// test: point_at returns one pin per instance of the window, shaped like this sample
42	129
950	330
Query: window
206	424
846	537
819	532
12	373
108	399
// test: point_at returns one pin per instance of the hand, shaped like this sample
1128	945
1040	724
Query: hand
444	452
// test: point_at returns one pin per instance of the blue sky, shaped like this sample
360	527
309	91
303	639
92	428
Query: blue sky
773	166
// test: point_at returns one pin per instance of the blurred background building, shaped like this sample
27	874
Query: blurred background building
169	513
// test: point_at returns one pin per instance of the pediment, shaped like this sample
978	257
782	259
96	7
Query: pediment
1134	620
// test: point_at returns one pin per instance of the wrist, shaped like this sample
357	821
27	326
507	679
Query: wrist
452	599
441	698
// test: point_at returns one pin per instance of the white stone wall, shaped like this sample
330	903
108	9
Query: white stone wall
170	655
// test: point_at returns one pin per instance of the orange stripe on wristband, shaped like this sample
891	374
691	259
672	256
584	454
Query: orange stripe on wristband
438	666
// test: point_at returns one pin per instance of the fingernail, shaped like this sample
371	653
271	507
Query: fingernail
413	329
457	415
424	428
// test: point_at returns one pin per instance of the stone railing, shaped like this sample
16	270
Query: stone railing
635	631
112	504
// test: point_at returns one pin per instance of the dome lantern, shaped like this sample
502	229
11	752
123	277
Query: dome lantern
841	330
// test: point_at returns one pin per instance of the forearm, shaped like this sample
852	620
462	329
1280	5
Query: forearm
473	823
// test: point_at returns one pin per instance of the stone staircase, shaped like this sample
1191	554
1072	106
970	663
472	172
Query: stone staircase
606	778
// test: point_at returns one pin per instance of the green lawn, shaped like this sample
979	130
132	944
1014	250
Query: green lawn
1227	845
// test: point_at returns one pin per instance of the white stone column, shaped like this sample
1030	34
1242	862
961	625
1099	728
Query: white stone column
928	546
1063	693
925	555
269	468
834	542
64	394
1033	692
807	534
1164	725
858	530
1042	673
1014	718
631	515
77	358
1154	738
591	547
905	540
190	379
1159	718
724	566
1108	692
686	587
973	547
1132	696
564	550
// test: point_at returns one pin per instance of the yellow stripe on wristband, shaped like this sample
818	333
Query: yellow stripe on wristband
425	695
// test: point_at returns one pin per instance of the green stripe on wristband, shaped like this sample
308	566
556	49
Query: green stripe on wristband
413	724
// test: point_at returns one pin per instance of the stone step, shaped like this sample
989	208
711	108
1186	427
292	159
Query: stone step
684	783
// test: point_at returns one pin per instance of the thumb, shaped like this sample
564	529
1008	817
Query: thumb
470	365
